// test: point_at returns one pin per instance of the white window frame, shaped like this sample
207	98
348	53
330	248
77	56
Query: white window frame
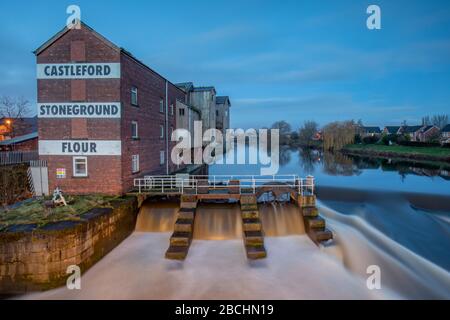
161	105
161	134
172	109
135	163
162	157
134	90
133	136
74	160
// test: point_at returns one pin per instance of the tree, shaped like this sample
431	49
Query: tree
307	133
14	108
426	121
337	135
440	120
285	130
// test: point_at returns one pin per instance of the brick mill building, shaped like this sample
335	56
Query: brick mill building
104	117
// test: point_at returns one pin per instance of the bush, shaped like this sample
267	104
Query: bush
386	138
370	140
13	184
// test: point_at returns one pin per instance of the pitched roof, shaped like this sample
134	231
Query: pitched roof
372	129
19	139
426	128
210	88
64	30
446	128
223	100
392	129
411	129
185	86
111	44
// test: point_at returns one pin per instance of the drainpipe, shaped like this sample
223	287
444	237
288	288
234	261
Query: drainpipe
167	127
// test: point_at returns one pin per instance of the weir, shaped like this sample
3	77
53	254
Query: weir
247	191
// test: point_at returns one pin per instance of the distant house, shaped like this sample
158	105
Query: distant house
411	131
428	133
445	133
370	131
318	136
392	130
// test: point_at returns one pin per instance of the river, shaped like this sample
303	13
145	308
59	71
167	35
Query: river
394	215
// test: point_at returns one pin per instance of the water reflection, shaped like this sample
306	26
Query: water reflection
339	170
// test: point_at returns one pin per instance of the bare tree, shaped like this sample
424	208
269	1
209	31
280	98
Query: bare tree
14	108
307	132
285	131
440	120
426	121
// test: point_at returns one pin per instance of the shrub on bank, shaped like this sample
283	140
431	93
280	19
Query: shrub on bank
370	140
13	184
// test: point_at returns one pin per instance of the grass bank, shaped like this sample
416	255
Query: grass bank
35	212
396	151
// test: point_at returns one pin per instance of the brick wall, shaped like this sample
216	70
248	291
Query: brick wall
107	174
151	88
104	172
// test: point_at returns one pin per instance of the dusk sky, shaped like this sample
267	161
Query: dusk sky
277	60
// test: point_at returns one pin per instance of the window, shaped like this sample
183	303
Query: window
217	113
172	110
161	157
161	105
134	130
80	167
181	111
171	131
134	96
161	134
135	163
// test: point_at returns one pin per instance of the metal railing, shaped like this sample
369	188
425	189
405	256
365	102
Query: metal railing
195	184
17	157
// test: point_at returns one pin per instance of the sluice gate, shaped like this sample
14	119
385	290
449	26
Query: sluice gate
247	190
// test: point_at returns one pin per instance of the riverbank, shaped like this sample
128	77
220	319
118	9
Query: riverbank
435	154
36	255
35	212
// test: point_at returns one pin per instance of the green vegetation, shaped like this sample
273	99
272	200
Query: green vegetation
13	184
400	150
36	212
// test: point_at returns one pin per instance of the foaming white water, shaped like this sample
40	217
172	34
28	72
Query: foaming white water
294	269
361	245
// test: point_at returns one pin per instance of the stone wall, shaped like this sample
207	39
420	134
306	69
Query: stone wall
36	258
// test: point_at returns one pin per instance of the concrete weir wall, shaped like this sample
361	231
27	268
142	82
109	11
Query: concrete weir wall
36	258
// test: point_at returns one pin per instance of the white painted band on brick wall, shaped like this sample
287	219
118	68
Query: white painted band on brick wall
78	71
80	147
79	110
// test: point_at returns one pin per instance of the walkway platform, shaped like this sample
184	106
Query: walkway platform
245	189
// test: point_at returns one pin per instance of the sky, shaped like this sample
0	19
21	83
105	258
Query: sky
277	60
